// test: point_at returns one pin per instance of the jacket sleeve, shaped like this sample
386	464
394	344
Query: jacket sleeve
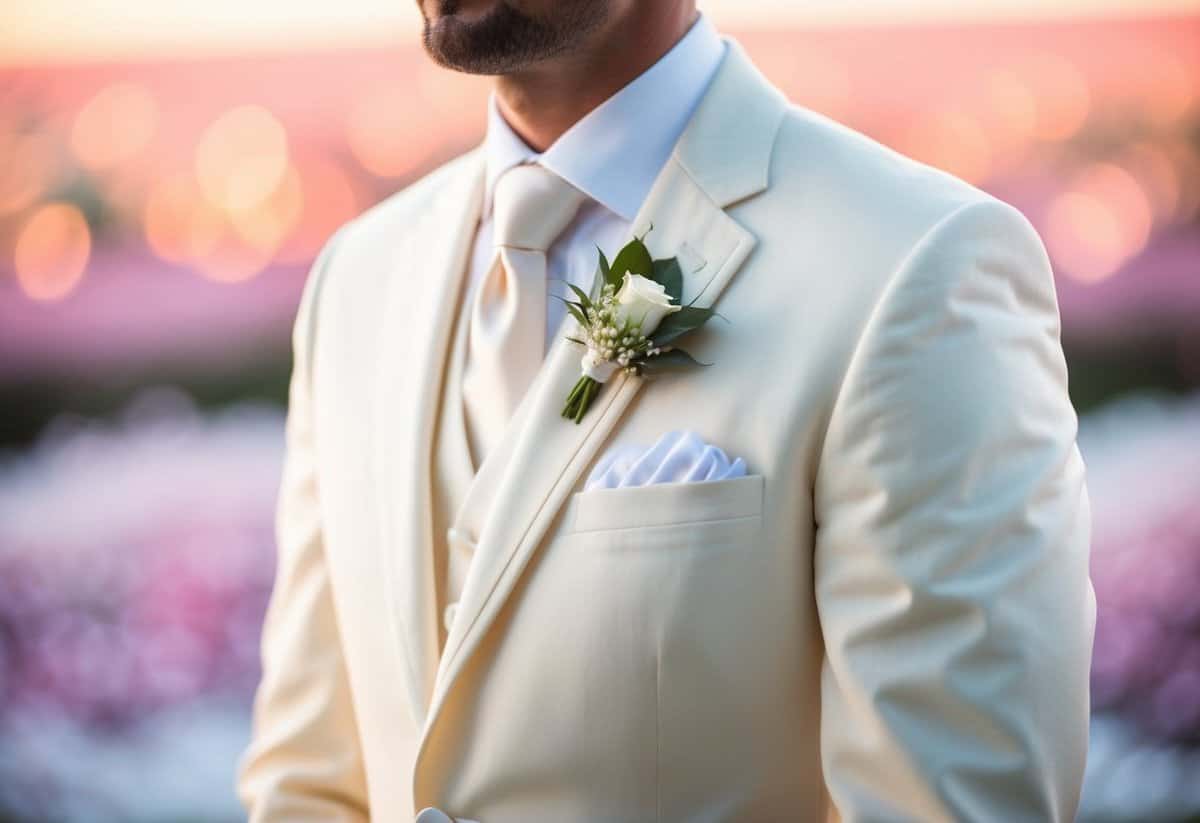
303	762
953	531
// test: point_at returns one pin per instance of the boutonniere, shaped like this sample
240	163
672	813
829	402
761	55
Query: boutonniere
630	322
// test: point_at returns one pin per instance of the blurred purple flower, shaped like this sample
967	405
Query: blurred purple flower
135	563
1143	462
136	558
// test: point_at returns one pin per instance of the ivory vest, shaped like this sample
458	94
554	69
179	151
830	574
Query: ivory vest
453	473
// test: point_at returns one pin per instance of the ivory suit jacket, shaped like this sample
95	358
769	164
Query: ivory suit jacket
890	618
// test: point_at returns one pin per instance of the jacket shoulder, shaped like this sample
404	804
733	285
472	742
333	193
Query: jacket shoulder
342	289
400	207
816	156
356	254
904	233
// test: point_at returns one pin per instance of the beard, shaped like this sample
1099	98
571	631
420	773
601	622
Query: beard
506	39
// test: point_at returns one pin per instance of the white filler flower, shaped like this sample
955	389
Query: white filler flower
616	322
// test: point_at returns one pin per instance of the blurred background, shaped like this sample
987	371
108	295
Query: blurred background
168	171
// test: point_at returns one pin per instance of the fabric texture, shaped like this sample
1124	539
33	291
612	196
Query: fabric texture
889	617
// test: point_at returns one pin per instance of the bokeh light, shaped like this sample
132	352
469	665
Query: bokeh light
384	135
328	199
265	227
1063	99
114	126
241	158
52	251
157	220
181	225
1158	176
1009	113
28	165
1099	223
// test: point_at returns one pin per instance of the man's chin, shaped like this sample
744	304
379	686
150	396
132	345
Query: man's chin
484	37
449	41
499	37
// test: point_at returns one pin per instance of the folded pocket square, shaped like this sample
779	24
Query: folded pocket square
677	457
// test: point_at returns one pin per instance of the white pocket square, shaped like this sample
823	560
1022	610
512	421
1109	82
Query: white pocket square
677	457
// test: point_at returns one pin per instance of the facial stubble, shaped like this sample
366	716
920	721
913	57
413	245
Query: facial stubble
506	39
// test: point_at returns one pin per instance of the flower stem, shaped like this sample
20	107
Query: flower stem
580	398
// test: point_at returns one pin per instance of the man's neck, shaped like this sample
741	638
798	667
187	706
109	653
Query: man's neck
543	102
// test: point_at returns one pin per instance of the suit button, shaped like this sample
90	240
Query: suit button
448	615
432	815
460	540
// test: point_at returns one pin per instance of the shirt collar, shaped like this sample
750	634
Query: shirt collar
614	153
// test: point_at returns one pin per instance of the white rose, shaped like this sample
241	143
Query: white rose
643	301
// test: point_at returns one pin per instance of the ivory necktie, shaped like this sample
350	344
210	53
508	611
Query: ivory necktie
507	336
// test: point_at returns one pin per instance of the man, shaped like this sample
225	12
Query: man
879	610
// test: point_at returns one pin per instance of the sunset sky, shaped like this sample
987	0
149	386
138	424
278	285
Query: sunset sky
41	31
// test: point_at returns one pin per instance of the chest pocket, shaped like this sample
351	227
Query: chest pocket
704	515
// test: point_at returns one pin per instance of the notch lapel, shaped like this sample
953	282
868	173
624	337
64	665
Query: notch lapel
426	277
723	156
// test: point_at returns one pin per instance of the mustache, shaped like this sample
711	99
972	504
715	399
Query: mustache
448	8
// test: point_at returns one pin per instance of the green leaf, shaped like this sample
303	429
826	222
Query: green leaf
585	302
578	314
603	263
668	361
597	284
668	273
676	324
634	258
573	304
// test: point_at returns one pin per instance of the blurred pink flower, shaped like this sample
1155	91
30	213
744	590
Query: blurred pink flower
136	559
1143	463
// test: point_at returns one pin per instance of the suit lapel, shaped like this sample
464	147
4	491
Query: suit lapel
546	453
723	156
425	280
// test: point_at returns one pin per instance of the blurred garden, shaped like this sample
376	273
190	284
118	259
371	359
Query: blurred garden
157	217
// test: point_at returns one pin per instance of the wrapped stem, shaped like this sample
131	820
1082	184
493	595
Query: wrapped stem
580	398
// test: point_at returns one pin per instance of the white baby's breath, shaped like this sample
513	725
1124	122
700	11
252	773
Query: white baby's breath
616	324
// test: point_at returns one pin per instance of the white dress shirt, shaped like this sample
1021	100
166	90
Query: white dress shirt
613	154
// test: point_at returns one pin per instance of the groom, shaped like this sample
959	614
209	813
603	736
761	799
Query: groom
838	573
